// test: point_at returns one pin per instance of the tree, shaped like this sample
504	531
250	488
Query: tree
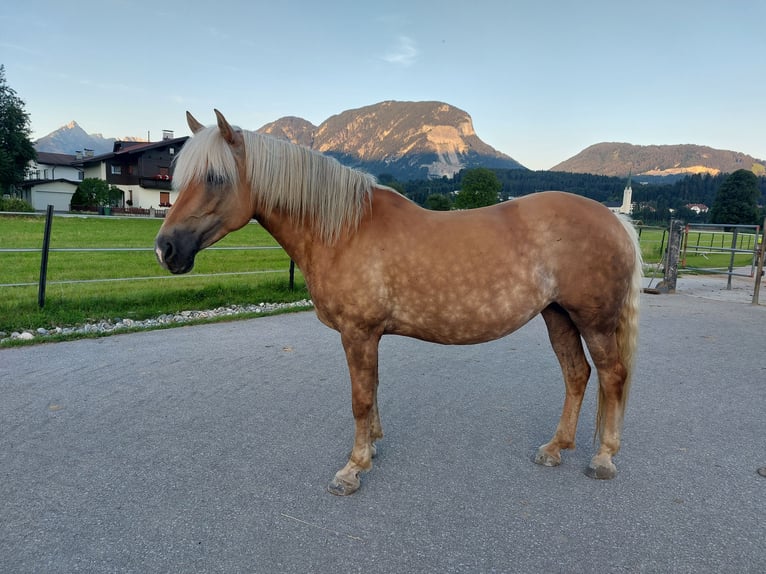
438	202
389	181
737	200
479	187
16	149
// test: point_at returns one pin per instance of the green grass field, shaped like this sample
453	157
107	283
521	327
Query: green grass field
70	303
703	249
145	290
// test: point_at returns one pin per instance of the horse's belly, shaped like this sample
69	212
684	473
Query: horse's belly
460	323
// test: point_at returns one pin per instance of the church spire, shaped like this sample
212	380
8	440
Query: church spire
627	196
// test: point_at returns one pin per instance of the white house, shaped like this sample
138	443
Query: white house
51	179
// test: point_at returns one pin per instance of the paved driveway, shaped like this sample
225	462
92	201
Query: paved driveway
207	449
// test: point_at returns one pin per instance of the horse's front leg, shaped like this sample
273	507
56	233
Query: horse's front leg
362	356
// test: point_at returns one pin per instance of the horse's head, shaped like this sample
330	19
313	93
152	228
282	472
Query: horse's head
214	197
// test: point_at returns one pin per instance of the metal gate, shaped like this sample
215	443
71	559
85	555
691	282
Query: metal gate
730	249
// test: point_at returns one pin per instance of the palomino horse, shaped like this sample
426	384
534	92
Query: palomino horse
375	263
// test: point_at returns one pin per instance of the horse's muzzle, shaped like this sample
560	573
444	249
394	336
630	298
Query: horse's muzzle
174	253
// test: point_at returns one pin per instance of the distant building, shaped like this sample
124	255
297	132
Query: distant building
626	207
697	207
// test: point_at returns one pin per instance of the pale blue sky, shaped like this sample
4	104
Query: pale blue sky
542	80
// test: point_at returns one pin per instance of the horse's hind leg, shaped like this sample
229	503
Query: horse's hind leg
362	356
376	429
612	375
566	343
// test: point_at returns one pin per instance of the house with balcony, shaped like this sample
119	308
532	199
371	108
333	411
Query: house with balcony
51	179
143	171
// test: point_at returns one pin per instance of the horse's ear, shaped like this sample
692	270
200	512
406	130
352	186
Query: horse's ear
194	125
226	130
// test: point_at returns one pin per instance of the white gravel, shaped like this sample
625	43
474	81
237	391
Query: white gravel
118	324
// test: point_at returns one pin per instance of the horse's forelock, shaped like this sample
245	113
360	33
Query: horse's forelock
205	156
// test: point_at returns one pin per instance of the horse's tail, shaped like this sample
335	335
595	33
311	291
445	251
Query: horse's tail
627	326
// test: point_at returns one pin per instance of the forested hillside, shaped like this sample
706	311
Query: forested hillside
653	201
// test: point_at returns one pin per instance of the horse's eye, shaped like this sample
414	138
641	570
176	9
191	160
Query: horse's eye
215	179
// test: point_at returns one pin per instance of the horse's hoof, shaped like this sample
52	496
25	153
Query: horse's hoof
546	459
343	487
601	472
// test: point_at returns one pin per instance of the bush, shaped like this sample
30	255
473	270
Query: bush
94	191
15	204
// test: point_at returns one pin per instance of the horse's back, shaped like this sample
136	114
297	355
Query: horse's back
554	232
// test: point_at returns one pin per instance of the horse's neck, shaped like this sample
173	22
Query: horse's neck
300	239
294	238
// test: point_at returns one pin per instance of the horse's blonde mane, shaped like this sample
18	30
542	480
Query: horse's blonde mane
307	186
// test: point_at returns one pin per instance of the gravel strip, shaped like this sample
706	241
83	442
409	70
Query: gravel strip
704	286
116	325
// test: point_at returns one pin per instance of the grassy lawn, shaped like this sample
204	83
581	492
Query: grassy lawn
705	249
701	249
75	303
145	290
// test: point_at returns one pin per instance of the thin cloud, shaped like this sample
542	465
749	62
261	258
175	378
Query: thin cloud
217	33
111	87
404	53
20	48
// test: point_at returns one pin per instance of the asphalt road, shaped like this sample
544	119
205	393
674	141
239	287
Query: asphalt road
208	448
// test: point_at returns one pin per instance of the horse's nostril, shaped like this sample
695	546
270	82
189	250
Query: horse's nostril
167	252
163	249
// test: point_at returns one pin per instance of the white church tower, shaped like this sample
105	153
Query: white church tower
627	197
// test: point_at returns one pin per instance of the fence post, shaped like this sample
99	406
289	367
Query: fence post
44	258
733	253
759	269
668	283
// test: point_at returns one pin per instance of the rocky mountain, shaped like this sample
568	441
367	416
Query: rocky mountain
71	138
618	159
408	140
290	128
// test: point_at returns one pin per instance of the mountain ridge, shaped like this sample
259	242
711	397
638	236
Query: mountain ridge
71	138
619	159
408	140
